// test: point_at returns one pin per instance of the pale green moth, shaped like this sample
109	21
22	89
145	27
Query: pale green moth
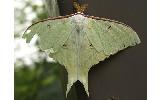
79	41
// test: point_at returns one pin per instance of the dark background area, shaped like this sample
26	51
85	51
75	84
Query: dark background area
122	76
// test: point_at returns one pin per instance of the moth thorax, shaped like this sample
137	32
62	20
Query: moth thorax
79	18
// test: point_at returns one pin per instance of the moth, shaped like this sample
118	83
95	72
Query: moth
79	41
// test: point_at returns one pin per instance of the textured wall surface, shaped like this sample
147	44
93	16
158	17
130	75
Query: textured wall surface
123	75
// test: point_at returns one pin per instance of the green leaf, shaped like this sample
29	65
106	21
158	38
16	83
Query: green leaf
78	42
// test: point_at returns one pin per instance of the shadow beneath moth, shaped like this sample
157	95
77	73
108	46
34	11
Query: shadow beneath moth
79	41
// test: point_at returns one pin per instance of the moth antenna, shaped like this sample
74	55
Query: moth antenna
79	7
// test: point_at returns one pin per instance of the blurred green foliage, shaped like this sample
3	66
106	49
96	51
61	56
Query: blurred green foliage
41	81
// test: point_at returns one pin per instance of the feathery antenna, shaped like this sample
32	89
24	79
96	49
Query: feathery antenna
79	6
